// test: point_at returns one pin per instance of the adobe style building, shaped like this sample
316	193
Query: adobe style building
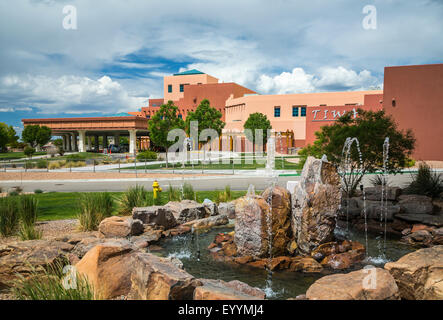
187	90
413	95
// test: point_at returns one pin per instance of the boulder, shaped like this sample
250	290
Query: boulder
305	264
315	204
365	284
375	193
251	235
415	204
428	219
221	290
281	218
227	208
119	227
419	274
209	222
155	216
22	257
343	260
156	278
108	267
374	210
211	207
187	210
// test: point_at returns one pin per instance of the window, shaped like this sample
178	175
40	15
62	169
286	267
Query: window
276	112
394	103
182	87
169	88
295	111
148	117
180	116
303	111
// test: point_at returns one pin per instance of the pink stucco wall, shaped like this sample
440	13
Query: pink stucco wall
176	81
238	110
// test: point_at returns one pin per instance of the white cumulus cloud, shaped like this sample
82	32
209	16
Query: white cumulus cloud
70	94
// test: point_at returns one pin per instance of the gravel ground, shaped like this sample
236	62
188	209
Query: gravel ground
50	229
8	176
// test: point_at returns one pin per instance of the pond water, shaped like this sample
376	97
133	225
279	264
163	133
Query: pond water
284	284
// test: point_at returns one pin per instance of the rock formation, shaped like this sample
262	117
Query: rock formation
419	274
315	203
364	284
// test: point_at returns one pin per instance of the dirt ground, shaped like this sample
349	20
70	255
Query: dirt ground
8	176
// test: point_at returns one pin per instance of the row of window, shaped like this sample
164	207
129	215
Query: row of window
149	117
182	88
295	112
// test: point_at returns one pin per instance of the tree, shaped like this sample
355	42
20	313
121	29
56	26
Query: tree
257	121
370	128
4	138
8	136
163	121
29	151
36	135
207	117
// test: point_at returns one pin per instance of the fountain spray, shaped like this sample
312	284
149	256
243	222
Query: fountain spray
384	191
344	167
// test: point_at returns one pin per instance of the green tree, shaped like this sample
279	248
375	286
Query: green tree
257	121
163	121
4	137
207	117
29	151
36	136
8	136
370	128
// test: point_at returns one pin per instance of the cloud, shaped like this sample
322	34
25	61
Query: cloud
69	94
327	79
116	57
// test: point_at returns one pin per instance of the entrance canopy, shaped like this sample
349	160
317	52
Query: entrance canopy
85	128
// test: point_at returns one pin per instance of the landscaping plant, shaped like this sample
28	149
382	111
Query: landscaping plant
52	284
188	192
134	197
94	207
427	182
9	216
28	209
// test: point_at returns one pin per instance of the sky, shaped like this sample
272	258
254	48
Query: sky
115	58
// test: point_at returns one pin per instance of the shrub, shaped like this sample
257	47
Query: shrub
28	232
188	192
94	207
173	193
29	151
42	164
13	194
147	155
378	180
9	216
134	197
28	209
53	165
224	196
28	206
30	165
427	182
48	284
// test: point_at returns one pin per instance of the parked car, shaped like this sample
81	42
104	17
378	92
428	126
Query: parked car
112	148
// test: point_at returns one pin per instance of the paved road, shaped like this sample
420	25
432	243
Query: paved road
237	182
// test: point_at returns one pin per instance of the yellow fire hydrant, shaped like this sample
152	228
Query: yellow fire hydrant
156	189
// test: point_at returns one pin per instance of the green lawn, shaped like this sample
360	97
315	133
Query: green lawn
17	155
243	165
64	205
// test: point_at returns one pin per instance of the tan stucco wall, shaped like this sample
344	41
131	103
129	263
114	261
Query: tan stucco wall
239	109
